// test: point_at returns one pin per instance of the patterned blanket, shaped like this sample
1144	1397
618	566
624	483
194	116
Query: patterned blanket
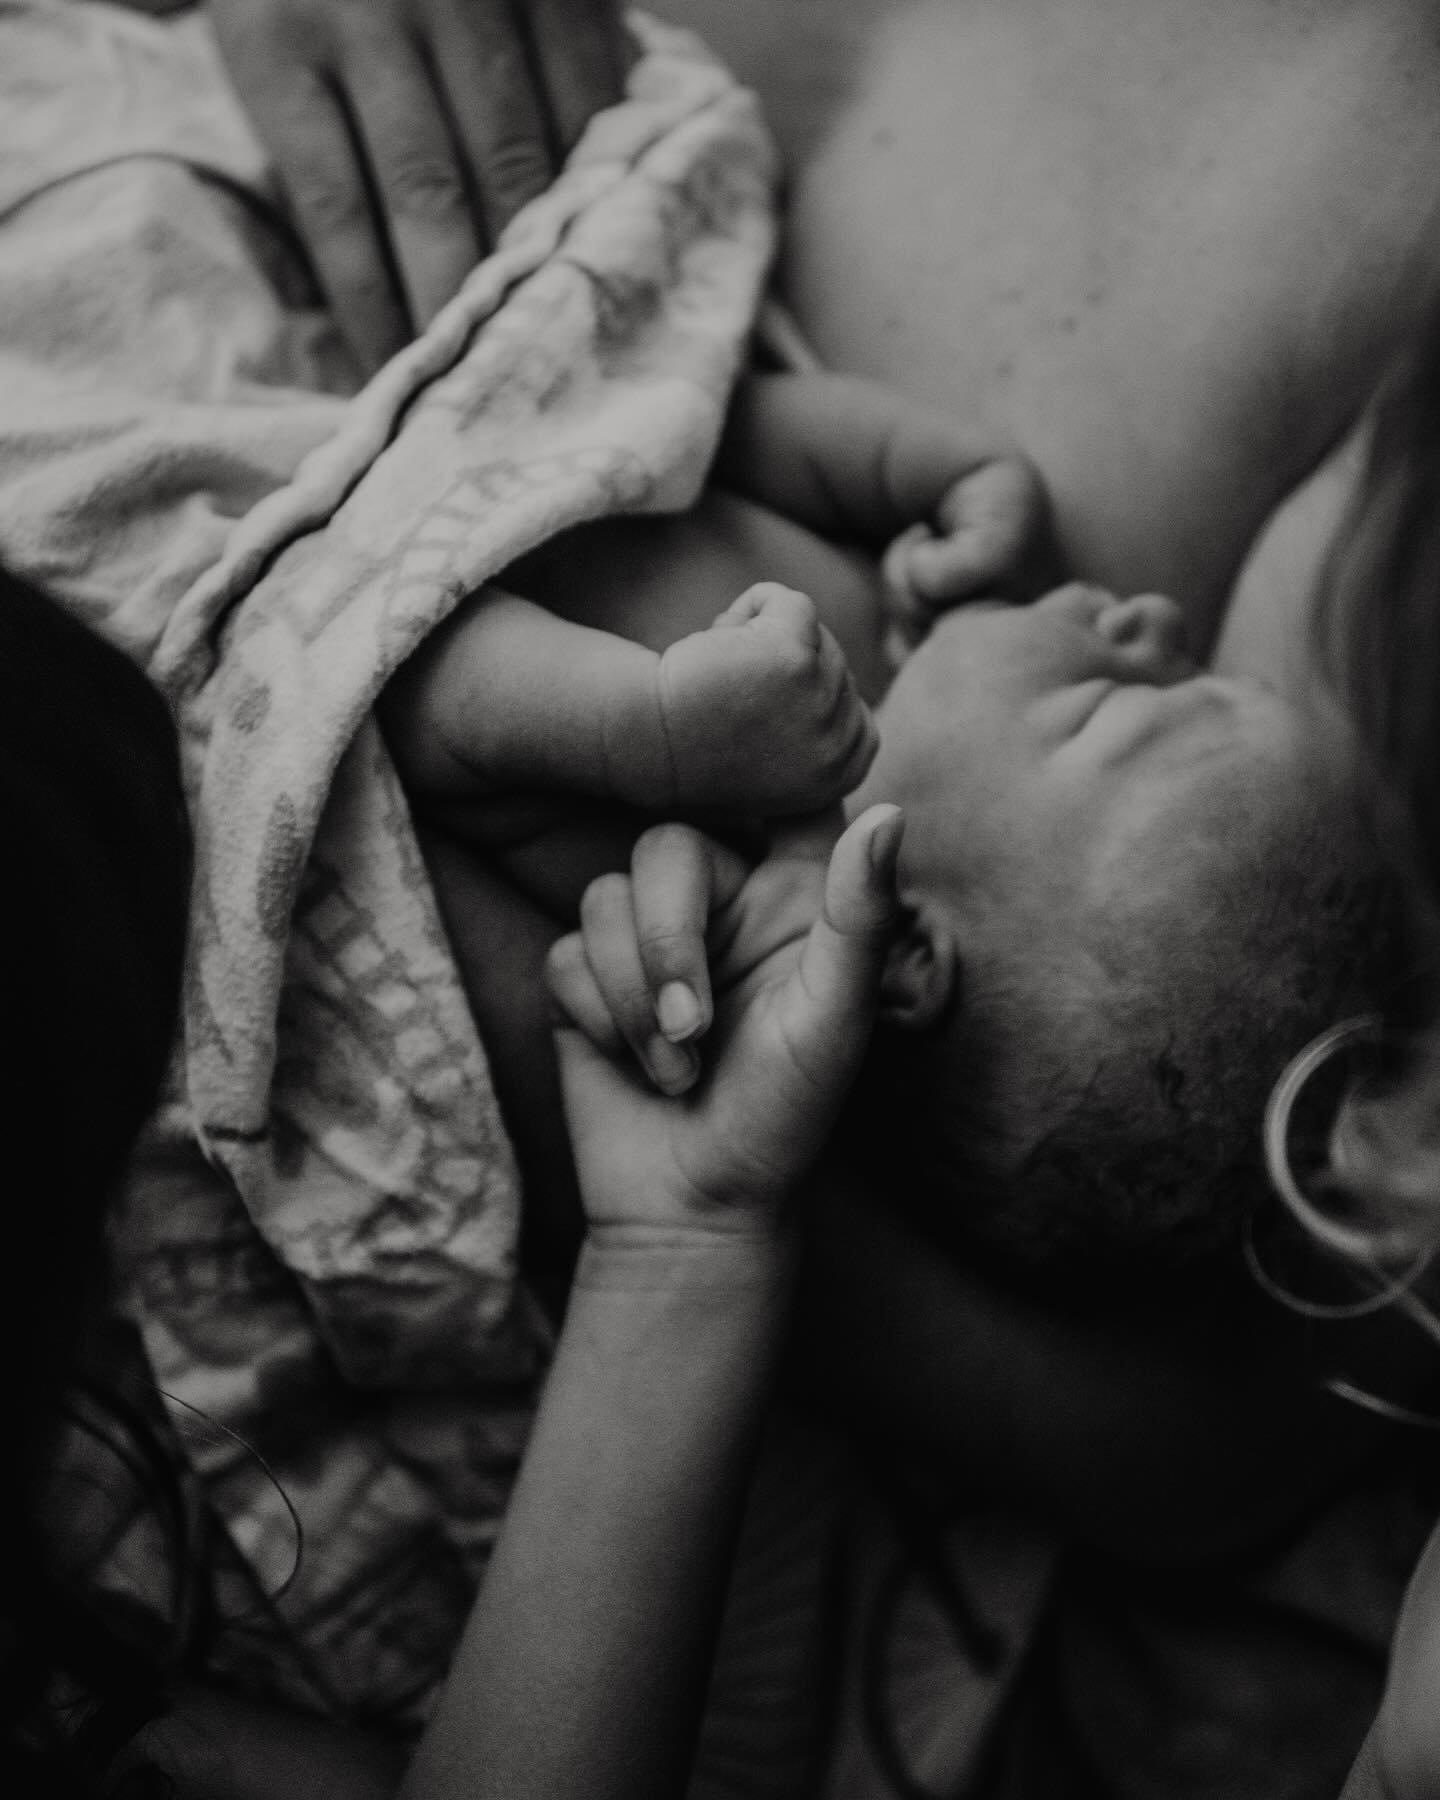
318	1240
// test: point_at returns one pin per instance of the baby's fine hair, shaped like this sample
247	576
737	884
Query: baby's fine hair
1151	1088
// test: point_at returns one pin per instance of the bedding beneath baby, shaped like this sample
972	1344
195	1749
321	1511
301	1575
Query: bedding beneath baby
318	1240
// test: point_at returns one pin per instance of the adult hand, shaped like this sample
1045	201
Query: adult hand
796	948
407	133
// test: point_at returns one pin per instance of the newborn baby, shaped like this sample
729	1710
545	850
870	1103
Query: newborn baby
1134	889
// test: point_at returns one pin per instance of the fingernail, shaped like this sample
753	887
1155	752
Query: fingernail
677	1007
885	844
673	1067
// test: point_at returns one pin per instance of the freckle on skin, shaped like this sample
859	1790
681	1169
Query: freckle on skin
1067	324
883	138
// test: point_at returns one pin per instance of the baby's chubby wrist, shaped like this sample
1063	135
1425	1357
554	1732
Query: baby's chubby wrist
758	1260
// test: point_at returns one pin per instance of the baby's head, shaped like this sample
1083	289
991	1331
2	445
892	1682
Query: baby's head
1137	890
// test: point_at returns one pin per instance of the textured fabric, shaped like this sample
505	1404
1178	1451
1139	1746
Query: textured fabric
319	1235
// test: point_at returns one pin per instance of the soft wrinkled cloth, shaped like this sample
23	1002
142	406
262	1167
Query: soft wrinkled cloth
318	1241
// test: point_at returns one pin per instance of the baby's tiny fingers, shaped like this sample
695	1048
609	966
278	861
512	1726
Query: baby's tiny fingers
612	949
988	520
895	564
785	607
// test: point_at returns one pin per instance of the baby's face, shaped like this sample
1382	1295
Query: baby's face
1054	758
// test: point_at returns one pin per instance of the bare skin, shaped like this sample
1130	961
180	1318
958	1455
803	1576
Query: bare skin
1109	229
1170	425
1105	278
660	672
1150	302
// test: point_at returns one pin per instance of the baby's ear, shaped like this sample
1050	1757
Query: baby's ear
921	971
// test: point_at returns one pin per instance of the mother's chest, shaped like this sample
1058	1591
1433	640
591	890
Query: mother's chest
1171	267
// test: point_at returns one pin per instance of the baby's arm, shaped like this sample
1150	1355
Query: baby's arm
506	708
963	515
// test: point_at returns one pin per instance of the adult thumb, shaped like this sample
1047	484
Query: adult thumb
844	955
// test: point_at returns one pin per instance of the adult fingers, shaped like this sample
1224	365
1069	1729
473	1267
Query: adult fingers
810	1040
303	122
419	181
677	877
612	949
497	114
842	958
581	52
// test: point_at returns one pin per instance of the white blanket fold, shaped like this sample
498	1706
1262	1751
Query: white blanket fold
326	1207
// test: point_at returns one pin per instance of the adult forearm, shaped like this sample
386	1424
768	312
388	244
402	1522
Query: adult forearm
584	1665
